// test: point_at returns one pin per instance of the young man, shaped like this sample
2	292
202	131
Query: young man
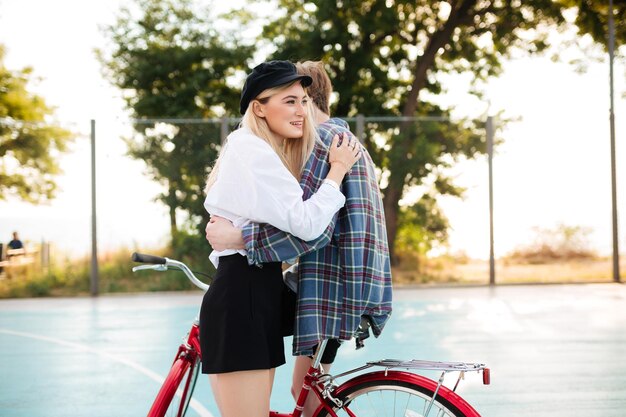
16	243
344	276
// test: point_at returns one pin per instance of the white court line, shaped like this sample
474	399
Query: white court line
199	408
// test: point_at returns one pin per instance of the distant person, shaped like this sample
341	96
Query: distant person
16	243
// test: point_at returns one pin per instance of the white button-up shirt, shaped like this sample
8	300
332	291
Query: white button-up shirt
253	185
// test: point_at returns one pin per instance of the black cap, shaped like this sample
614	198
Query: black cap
267	75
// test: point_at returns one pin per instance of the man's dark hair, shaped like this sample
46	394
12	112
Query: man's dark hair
321	88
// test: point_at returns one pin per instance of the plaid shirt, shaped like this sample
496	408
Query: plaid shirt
345	273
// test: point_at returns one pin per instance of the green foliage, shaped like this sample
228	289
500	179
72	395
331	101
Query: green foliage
385	57
382	54
115	275
70	278
422	227
592	18
173	64
30	142
193	250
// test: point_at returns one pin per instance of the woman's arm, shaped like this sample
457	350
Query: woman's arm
263	242
254	184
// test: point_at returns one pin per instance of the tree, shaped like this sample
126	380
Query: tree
420	226
172	64
386	57
30	141
592	18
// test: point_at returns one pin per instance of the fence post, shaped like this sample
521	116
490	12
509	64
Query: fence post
492	261
616	274
45	255
223	129
94	237
360	127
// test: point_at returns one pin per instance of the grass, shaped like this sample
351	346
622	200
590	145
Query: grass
476	272
72	277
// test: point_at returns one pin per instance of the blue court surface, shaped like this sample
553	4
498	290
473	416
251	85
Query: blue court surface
554	350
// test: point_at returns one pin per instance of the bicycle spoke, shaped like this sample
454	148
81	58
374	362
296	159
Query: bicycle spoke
395	395
411	406
383	402
392	399
406	407
370	401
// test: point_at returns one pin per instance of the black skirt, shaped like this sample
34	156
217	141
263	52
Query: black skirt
240	318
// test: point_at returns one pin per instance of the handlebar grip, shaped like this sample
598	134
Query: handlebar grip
148	259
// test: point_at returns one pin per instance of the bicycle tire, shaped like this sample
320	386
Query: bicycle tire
395	393
177	389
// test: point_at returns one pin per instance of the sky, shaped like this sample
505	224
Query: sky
553	165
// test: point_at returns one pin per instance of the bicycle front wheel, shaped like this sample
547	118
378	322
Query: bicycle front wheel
175	393
396	394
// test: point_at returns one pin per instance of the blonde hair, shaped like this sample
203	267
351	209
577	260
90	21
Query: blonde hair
292	152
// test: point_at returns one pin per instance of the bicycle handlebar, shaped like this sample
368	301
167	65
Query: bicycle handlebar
163	264
148	259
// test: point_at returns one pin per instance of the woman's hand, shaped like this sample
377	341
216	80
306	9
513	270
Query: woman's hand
346	153
222	235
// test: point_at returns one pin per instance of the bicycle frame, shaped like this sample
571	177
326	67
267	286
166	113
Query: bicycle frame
190	350
312	382
324	386
192	345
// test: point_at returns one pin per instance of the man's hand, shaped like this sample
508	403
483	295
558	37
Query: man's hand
222	235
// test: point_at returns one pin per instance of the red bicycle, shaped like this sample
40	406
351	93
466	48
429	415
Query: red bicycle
387	392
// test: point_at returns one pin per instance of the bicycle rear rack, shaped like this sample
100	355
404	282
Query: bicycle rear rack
428	365
461	367
444	367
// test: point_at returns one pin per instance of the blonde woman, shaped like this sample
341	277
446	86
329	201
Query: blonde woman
256	178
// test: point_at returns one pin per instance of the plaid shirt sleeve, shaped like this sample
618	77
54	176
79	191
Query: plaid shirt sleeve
265	243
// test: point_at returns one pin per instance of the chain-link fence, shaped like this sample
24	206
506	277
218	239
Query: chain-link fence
551	203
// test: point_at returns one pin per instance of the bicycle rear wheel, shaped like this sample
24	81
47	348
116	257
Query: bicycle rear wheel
396	394
175	393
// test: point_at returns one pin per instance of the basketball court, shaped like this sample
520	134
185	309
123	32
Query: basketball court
554	350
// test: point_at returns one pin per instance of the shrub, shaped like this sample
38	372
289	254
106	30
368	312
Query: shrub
562	243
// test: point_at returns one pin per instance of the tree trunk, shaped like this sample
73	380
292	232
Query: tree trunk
393	193
173	227
172	204
425	62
